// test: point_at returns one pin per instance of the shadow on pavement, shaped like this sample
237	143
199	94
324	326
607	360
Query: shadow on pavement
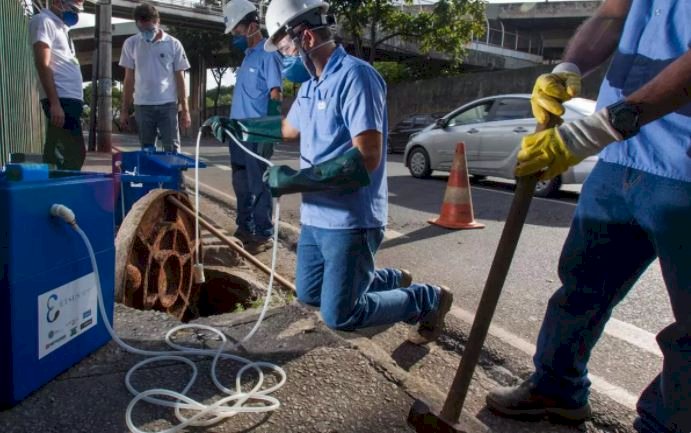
423	233
491	201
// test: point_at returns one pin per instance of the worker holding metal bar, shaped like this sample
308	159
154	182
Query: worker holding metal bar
257	94
155	64
340	118
61	91
634	207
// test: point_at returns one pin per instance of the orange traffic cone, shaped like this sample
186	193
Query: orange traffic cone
457	209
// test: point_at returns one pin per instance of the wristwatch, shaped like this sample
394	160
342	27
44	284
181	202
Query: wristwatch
625	118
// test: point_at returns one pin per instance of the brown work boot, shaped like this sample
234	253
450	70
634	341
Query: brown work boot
406	278
257	246
431	325
524	401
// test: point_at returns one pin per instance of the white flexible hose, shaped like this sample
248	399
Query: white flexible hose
197	233
236	399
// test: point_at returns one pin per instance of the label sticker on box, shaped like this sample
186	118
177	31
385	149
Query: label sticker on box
66	312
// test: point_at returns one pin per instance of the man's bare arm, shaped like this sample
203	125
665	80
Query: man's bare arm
667	92
598	37
185	119
42	58
288	132
369	143
127	96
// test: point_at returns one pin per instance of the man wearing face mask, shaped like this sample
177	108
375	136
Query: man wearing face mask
155	65
340	118
61	83
257	94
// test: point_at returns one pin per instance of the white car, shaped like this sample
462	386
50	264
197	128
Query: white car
491	129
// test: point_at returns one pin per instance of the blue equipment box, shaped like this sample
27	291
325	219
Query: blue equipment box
49	316
138	172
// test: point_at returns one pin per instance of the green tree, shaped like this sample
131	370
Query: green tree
446	26
116	95
393	72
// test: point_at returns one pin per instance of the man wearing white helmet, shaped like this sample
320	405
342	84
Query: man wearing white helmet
257	93
61	82
340	115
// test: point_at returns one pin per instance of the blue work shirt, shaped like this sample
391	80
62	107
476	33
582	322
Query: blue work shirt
656	33
348	99
259	73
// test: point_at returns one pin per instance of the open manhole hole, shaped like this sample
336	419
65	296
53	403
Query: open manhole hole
225	290
155	250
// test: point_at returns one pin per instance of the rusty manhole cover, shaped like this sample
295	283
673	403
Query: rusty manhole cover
155	248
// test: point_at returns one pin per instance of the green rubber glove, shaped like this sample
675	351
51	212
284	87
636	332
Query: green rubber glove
274	108
259	130
219	125
345	173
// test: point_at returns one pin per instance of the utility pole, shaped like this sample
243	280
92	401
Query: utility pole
105	83
94	87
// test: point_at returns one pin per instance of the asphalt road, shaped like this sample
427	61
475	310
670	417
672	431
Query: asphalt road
626	358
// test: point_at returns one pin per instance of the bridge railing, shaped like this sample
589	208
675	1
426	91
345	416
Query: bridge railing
511	40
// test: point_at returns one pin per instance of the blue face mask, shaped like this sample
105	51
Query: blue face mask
149	35
70	18
240	42
294	69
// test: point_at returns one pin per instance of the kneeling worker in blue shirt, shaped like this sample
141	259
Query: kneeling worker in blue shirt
340	117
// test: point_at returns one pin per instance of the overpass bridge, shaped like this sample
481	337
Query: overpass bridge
517	35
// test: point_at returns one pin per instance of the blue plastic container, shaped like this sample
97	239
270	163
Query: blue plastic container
141	171
48	312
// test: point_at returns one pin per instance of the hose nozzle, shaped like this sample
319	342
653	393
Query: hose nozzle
64	213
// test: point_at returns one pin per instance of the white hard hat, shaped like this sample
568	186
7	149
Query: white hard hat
234	11
281	12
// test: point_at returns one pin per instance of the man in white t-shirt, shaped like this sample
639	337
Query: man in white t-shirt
61	82
155	65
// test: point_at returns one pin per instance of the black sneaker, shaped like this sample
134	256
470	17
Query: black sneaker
523	401
243	236
430	327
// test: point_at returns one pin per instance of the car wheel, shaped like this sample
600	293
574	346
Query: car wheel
418	163
547	188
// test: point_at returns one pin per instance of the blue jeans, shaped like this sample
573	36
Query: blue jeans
158	119
335	272
253	195
625	219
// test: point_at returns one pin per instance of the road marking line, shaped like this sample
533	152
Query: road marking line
634	335
614	392
549	200
390	234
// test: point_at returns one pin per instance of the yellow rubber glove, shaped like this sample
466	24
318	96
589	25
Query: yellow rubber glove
546	151
550	91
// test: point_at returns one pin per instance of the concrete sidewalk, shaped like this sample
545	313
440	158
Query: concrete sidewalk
331	387
361	382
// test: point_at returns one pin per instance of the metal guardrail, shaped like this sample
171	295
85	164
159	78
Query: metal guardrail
21	117
500	37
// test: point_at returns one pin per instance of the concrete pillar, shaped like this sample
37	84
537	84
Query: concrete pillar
105	82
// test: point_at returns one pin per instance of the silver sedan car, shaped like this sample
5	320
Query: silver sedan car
491	129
